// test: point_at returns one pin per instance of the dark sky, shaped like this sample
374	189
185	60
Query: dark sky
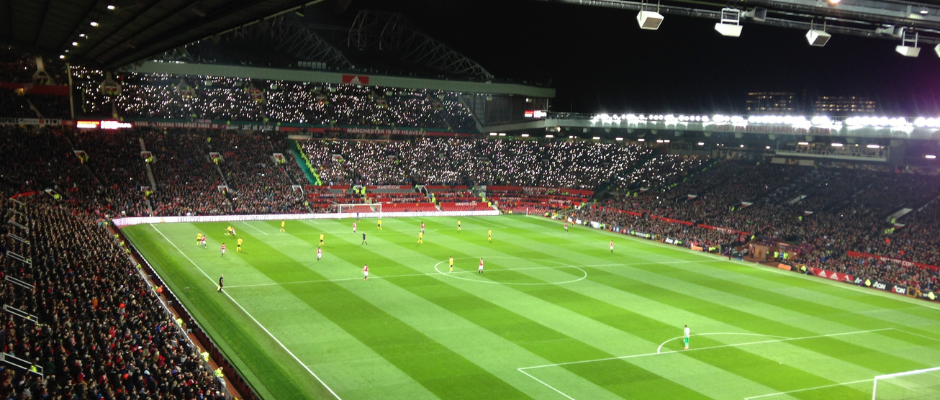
599	60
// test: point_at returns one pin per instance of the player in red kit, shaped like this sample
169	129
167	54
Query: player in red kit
566	226
422	227
319	253
611	246
365	272
354	227
223	250
480	269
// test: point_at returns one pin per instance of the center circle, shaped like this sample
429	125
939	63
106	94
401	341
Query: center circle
561	266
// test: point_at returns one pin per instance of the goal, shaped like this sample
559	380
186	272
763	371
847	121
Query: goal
917	384
364	210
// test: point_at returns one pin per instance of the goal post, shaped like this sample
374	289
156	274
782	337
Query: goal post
374	209
916	384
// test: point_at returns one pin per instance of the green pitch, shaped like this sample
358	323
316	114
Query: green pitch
554	316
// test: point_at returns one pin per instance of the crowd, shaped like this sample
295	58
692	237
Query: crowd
237	99
114	160
824	212
19	67
582	165
14	106
90	327
259	184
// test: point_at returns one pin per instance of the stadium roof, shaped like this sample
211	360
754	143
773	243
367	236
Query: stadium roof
127	30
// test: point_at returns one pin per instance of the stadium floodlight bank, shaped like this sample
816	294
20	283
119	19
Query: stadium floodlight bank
917	384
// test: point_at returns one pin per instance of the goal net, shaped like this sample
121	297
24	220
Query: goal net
917	384
364	210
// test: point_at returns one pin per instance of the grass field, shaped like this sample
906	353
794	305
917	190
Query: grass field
556	315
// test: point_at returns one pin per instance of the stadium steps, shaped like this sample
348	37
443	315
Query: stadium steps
304	165
462	99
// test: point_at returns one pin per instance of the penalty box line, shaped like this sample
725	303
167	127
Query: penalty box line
523	369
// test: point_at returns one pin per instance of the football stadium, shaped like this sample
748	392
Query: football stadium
493	199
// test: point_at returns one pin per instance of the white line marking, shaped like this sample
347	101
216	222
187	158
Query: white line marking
808	389
249	315
542	382
253	227
917	334
706	348
870	292
696	349
658	349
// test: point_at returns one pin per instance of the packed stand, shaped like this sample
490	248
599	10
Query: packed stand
258	184
187	180
114	159
43	160
472	162
237	99
92	327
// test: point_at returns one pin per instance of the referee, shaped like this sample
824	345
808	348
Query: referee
221	278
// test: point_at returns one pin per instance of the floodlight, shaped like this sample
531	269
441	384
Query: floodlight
61	56
493	133
803	143
111	7
908	47
837	145
924	11
550	136
817	38
618	139
649	20
502	134
94	24
641	140
525	135
930	156
597	138
936	49
74	43
834	2
701	143
730	22
873	146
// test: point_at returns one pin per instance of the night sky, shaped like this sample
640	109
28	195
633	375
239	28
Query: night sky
600	61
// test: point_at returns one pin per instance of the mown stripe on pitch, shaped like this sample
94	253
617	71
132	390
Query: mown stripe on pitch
759	369
873	363
530	335
218	320
488	361
761	295
441	371
816	285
